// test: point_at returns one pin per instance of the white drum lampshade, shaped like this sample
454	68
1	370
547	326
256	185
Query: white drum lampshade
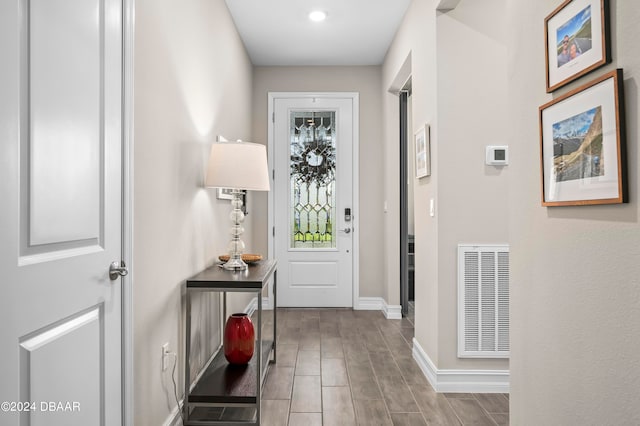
238	166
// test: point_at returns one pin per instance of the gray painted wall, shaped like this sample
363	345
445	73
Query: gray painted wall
472	105
575	272
458	67
184	96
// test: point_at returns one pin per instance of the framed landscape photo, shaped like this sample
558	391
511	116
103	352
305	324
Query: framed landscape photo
422	152
576	40
582	145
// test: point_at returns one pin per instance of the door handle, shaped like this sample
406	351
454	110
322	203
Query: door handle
346	230
117	269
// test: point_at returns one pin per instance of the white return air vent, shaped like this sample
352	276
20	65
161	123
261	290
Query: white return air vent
483	301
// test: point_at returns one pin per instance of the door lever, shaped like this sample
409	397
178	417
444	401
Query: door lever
117	269
346	230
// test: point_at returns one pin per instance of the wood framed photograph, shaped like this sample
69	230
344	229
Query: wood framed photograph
576	40
582	145
422	145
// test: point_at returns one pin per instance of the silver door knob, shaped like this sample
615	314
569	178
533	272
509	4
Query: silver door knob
346	230
117	269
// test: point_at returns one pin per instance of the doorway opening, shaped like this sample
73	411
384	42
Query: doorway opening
407	261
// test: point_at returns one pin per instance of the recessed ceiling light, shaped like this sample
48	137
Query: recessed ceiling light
318	16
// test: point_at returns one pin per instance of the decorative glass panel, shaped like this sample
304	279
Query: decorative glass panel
312	179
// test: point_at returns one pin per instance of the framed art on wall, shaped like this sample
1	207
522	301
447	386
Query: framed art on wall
422	145
224	194
576	40
582	145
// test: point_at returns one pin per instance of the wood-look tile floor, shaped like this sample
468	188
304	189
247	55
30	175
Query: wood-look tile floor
345	367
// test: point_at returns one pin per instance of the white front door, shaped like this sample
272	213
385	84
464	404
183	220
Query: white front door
60	212
313	211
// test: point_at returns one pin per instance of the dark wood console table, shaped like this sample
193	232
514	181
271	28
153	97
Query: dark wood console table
221	384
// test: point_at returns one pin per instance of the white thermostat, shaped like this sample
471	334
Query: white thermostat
497	155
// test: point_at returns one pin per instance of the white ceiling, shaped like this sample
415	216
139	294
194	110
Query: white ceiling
279	32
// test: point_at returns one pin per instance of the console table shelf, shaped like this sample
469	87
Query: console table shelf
222	384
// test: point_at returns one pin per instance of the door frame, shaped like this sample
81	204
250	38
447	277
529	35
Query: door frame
403	97
355	220
128	31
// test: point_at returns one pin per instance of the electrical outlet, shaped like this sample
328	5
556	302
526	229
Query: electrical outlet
165	356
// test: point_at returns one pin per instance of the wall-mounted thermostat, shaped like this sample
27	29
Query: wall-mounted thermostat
497	156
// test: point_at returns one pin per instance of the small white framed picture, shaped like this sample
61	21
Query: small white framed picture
422	144
224	194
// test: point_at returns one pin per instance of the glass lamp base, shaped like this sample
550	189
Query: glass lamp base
235	264
236	246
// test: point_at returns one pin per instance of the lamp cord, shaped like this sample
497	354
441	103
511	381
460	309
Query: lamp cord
175	386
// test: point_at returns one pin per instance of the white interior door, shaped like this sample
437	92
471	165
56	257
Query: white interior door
60	216
313	139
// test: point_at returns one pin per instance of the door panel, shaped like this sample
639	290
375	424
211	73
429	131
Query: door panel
64	61
313	274
42	384
313	150
60	222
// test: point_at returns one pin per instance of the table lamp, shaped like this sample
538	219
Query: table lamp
238	166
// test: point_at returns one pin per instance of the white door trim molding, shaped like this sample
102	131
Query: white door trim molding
128	31
460	381
355	97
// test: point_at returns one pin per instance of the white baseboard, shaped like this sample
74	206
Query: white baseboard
369	304
379	304
460	381
253	305
392	311
174	418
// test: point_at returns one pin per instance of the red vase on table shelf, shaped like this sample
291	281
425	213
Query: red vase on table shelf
239	339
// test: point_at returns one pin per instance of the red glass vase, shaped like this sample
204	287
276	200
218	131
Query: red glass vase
239	339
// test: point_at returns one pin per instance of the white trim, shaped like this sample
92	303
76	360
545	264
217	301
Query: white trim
447	5
369	304
266	304
175	414
460	381
128	45
355	97
174	418
392	311
267	301
55	333
252	306
356	196
379	304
